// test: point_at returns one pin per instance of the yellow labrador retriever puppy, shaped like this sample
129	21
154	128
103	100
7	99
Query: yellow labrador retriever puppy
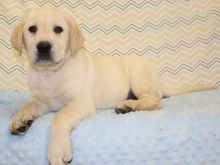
64	77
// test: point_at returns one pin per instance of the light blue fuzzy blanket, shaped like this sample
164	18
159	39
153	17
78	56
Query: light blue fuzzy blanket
186	131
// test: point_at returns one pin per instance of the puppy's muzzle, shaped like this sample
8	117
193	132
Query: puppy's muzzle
44	51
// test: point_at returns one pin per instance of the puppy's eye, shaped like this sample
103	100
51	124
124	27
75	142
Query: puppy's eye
32	29
58	29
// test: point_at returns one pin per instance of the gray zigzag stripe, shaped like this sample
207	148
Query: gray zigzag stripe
200	63
149	25
216	84
14	68
99	4
165	46
5	44
10	20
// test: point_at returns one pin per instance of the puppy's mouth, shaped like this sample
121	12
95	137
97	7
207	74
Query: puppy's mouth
45	59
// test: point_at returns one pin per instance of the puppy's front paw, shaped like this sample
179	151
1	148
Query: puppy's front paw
60	151
21	122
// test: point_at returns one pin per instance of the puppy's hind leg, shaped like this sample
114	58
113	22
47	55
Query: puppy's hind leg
145	86
145	102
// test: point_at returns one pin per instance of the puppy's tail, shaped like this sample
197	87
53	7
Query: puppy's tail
172	91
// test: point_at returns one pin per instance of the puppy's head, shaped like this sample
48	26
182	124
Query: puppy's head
48	36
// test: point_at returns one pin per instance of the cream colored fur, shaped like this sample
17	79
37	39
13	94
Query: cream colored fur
76	83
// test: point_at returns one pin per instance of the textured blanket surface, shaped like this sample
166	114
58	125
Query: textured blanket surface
185	131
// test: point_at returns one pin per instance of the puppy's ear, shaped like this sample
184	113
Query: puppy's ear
17	35
76	36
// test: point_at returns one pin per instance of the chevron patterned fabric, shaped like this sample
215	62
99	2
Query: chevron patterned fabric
182	37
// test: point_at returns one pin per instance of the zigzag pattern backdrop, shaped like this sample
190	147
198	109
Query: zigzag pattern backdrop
181	36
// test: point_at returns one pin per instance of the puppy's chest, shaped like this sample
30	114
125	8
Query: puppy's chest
48	84
49	87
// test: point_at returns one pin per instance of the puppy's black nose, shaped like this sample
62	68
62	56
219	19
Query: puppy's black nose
44	50
44	47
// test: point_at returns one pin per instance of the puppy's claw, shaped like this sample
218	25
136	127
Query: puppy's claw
123	110
30	122
22	129
14	133
68	162
19	131
20	123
